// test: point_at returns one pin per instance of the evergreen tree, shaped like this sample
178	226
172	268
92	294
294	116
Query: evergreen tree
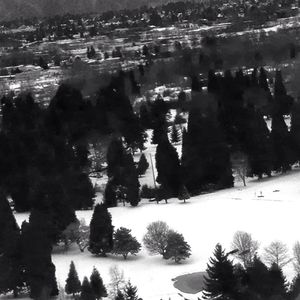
294	291
168	166
157	134
282	150
36	248
181	98
130	292
295	131
97	285
86	290
205	154
257	280
177	248
277	283
263	80
212	82
11	278
195	84
256	143
120	296
283	102
159	111
221	281
183	194
145	116
110	195
49	197
115	158
143	165
101	231
175	136
131	181
73	284
125	243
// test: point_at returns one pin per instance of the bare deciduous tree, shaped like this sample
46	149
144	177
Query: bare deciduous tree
82	240
240	166
296	261
155	240
117	281
277	252
246	246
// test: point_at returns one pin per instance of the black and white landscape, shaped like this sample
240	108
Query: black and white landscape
149	150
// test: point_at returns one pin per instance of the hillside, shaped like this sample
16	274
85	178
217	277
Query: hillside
12	9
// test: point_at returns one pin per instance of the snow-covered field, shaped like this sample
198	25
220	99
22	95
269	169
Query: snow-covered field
204	221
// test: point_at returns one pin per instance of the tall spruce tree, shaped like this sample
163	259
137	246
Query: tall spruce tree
295	131
87	292
277	282
101	231
220	281
205	153
256	143
257	280
130	291
131	181
143	165
73	284
110	194
97	285
11	277
115	159
282	148
283	102
36	248
168	166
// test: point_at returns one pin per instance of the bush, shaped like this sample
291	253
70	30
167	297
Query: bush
148	192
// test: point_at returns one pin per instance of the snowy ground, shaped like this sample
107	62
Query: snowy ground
204	221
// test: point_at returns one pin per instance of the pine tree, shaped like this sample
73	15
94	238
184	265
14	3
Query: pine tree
97	285
220	281
177	248
212	82
145	116
181	99
294	291
115	158
295	131
282	149
110	195
256	143
10	254
277	282
183	194
263	80
257	279
168	166
125	243
195	84
131	181
86	290
36	248
101	231
73	284
120	296
130	292
205	154
175	136
283	102
143	165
